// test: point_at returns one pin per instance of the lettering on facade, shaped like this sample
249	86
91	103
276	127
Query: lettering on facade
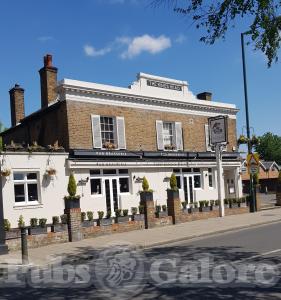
164	85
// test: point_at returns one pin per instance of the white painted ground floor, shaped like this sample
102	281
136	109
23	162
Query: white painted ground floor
108	180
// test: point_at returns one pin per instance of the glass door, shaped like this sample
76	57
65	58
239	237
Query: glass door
111	194
188	185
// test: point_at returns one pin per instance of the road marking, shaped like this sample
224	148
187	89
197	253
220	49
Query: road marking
259	255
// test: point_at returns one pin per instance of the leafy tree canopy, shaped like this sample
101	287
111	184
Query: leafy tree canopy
217	16
269	147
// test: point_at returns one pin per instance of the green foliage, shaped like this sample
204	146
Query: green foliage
90	215
134	210
108	214
63	219
100	214
33	222
184	204
7	225
279	177
83	216
118	212
164	207
269	147
158	208
21	222
125	212
145	184
141	209
173	182
42	222
71	188
55	220
216	17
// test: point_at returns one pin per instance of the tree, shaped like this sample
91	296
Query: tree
217	16
269	147
2	128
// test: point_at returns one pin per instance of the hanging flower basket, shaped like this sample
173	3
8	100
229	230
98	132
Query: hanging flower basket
109	146
51	172
242	140
5	173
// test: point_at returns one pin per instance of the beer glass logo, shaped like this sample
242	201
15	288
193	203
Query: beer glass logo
119	270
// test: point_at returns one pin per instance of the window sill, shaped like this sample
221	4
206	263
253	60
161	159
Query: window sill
24	206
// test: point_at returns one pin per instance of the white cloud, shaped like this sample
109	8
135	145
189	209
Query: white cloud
145	43
181	38
92	51
45	38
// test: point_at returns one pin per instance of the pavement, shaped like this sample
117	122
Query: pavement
146	238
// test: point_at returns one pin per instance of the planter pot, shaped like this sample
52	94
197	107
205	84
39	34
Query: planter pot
37	230
139	217
72	203
242	204
215	207
59	228
172	194
122	219
233	205
161	214
87	223
204	208
13	234
146	196
192	210
104	222
185	210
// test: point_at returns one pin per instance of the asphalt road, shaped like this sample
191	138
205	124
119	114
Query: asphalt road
245	264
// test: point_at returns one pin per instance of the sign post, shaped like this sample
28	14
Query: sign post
217	137
253	168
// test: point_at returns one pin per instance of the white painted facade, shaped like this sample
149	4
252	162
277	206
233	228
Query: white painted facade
51	191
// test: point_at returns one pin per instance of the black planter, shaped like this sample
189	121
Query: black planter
104	222
70	203
233	205
215	207
59	228
161	214
185	210
87	223
139	217
172	194
37	230
13	234
242	204
192	210
204	208
146	196
120	220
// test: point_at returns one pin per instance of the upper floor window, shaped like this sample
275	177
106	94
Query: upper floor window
107	126
26	188
108	132
169	135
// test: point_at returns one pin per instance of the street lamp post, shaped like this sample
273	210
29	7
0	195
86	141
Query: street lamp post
252	194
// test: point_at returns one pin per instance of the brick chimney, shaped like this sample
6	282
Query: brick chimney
17	104
48	81
205	96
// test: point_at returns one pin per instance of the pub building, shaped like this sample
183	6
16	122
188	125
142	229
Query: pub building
112	137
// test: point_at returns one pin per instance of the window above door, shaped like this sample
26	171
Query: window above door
108	132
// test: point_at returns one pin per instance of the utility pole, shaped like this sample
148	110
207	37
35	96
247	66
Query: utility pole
252	194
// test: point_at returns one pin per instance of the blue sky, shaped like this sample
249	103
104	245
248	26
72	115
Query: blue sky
109	41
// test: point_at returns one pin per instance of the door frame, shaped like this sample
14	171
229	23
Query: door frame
187	177
111	178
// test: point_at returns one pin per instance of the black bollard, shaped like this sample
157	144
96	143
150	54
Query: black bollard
24	250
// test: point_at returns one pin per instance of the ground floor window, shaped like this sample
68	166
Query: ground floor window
26	187
124	185
210	178
96	186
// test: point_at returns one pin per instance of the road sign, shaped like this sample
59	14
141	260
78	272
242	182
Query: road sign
253	163
218	130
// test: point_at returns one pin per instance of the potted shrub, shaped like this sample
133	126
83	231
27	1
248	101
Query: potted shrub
35	229
90	219
242	202
51	172
193	208
11	233
57	226
255	140
63	219
146	194
242	140
21	222
5	172
214	205
83	216
140	215
72	200
204	206
122	216
173	191
226	203
234	203
161	212
104	221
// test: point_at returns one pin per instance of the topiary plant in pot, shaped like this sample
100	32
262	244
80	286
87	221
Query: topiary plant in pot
72	200
146	194
173	191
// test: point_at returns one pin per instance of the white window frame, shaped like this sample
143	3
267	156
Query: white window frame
213	179
114	131
25	183
116	176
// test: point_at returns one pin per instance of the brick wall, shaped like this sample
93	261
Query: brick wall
140	126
